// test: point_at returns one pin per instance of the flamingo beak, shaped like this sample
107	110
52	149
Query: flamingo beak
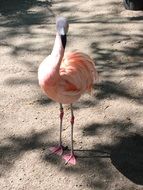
64	40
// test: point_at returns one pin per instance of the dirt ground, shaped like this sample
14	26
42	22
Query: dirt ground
108	129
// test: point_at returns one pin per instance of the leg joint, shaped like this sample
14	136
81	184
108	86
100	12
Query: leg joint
61	113
72	120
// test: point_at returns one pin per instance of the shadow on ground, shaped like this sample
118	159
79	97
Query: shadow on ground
114	90
96	166
125	153
127	157
16	146
11	7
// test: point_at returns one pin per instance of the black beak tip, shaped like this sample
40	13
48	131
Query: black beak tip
64	40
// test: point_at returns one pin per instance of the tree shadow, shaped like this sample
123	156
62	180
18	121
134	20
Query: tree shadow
127	157
16	19
14	147
95	164
109	62
125	151
112	90
136	18
11	7
92	153
116	126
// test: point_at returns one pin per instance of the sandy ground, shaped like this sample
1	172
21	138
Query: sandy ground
108	130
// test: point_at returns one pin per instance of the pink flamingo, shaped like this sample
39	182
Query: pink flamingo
64	78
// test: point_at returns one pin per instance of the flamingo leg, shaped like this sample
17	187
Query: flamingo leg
59	148
71	158
61	122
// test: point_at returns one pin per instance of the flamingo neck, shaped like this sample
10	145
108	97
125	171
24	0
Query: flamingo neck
57	52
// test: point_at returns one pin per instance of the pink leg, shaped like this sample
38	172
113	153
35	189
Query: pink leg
71	158
59	149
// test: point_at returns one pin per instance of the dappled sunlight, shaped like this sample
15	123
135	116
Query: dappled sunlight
14	147
108	124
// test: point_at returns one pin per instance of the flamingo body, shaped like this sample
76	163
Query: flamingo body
76	76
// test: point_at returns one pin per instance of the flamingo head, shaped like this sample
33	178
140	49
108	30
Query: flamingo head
62	29
62	25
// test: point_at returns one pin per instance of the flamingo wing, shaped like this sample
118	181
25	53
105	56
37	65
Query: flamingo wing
78	70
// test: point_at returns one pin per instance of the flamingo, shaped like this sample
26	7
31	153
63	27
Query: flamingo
64	78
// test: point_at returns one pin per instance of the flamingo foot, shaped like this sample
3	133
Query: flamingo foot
70	159
57	150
